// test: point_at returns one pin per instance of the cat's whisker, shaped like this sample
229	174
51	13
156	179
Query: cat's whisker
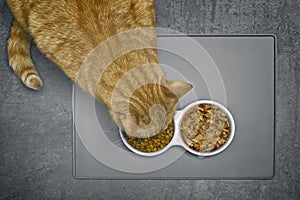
118	142
111	132
111	127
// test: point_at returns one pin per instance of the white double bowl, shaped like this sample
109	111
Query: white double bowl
177	139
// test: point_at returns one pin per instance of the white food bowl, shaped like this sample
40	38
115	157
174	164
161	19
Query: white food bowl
177	138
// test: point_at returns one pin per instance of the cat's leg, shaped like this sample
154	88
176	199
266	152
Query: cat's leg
19	57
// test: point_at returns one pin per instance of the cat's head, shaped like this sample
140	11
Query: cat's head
152	107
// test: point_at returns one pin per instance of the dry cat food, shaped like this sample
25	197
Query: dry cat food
154	143
205	127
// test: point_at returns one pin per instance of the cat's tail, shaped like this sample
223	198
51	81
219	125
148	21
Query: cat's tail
18	46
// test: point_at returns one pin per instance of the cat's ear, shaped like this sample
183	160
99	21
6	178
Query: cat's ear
128	124
179	87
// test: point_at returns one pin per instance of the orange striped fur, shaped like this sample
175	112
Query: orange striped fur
67	31
19	57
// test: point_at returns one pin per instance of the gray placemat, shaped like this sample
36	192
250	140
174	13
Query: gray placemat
237	71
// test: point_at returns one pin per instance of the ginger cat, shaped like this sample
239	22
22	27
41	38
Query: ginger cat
68	31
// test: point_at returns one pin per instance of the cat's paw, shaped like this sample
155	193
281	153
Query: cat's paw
34	82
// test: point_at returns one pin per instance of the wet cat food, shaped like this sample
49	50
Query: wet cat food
205	127
154	143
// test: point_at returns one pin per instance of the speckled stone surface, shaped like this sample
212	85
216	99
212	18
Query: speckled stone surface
36	127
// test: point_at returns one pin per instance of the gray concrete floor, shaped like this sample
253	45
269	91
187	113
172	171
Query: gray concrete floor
36	127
